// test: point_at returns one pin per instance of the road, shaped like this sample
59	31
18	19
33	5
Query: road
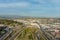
18	35
15	35
42	34
46	35
6	35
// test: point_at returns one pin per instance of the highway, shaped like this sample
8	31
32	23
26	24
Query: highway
6	35
49	36
17	33
45	34
42	34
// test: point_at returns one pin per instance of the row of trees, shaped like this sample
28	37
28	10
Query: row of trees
9	22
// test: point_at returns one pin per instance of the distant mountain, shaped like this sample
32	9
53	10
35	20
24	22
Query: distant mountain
14	16
17	16
10	16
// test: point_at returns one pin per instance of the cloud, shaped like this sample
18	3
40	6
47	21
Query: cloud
29	7
56	3
37	1
20	4
30	3
51	3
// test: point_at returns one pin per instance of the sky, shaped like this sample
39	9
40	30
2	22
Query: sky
37	8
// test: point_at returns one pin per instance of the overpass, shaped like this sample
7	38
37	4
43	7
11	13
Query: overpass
6	35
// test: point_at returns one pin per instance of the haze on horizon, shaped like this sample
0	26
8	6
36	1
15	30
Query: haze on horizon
37	8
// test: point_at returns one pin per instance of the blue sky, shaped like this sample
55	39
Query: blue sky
37	8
